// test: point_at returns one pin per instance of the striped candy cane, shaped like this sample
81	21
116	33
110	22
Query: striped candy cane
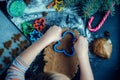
99	25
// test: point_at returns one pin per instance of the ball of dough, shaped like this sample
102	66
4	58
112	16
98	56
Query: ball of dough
102	47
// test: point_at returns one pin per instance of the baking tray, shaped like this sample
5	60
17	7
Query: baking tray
8	31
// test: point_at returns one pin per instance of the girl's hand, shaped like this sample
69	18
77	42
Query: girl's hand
81	46
53	34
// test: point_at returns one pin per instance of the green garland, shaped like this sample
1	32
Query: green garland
92	6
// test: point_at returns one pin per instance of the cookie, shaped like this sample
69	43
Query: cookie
58	62
6	60
1	51
102	47
23	44
7	44
14	52
16	37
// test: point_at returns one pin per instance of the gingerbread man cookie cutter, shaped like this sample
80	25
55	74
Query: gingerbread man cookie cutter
35	35
39	24
63	50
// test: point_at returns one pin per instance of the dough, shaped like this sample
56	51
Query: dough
102	47
58	62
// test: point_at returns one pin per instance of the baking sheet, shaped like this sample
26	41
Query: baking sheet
7	32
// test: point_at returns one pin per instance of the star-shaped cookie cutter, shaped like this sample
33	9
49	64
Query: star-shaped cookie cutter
63	50
39	24
58	5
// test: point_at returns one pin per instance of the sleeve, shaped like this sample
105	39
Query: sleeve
17	70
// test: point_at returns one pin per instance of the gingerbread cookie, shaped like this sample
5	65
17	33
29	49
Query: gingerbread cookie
16	37
102	47
23	44
14	52
1	51
6	60
7	44
58	62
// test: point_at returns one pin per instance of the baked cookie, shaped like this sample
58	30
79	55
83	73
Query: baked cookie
58	62
1	51
7	44
102	47
6	60
16	37
23	44
14	52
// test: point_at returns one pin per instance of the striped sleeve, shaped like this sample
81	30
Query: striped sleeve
17	70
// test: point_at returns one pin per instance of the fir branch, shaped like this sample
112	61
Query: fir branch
71	3
91	7
117	2
108	4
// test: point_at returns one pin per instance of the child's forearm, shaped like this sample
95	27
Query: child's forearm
31	52
85	68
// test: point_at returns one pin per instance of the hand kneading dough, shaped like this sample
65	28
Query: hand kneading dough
102	47
58	62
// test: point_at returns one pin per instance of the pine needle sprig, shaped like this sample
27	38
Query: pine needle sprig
91	7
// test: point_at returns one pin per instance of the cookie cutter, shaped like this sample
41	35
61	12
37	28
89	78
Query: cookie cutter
59	5
63	50
27	28
39	24
35	35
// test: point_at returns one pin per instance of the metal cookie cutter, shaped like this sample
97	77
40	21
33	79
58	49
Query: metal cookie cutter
35	35
59	5
58	43
39	24
27	28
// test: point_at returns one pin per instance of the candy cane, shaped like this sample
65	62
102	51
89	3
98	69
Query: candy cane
99	25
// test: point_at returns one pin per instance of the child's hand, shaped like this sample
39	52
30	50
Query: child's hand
53	34
81	46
